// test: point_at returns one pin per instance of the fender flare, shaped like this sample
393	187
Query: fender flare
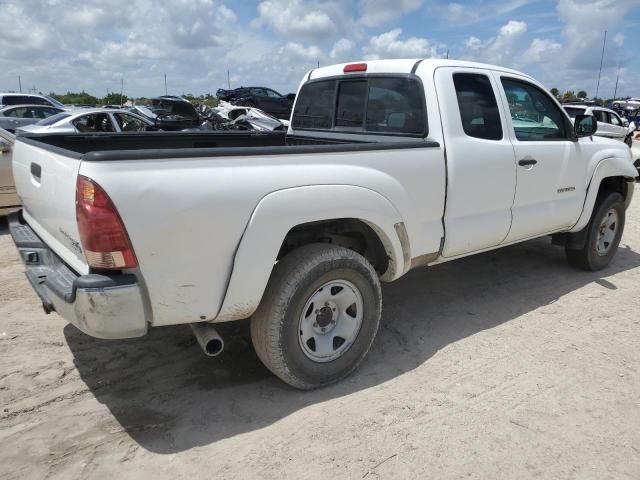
609	167
278	212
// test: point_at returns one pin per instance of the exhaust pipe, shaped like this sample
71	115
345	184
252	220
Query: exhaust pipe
208	338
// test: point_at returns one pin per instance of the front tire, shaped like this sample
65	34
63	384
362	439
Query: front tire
319	315
604	232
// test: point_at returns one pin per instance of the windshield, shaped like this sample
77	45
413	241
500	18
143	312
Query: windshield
54	102
53	119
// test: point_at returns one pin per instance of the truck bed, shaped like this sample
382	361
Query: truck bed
155	145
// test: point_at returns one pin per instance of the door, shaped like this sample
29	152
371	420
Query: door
481	164
618	129
8	196
551	167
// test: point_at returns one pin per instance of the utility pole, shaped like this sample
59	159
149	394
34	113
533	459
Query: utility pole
447	54
318	63
20	83
165	84
601	60
121	90
228	80
615	92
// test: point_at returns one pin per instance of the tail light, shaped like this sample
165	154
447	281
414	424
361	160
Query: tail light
104	239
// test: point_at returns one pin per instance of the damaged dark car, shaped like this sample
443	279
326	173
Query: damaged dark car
173	113
265	99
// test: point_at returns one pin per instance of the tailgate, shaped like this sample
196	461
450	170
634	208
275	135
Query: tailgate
46	182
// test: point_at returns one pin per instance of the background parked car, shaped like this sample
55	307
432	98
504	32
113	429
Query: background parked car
174	113
630	103
23	115
7	99
91	121
8	197
265	99
609	122
635	150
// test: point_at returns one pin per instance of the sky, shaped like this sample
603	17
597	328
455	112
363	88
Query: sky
66	45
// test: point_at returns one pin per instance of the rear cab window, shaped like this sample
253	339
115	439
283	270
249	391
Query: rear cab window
375	104
478	107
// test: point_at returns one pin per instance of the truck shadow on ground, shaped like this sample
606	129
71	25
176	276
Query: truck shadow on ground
169	397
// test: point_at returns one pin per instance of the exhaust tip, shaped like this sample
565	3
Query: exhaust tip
214	347
208	339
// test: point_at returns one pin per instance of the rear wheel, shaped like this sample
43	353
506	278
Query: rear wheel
319	315
604	232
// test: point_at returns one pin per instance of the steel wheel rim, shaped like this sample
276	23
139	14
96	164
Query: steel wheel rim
330	321
607	232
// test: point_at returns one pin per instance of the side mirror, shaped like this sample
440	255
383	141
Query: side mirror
4	146
585	125
291	96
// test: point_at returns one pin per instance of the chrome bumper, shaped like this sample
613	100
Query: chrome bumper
101	305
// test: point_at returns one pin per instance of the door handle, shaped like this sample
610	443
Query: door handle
36	171
528	161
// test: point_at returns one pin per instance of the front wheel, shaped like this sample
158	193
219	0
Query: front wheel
604	232
319	315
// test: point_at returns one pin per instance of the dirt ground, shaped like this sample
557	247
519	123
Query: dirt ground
508	364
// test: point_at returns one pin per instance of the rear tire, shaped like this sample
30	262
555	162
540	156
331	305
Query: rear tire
604	232
318	317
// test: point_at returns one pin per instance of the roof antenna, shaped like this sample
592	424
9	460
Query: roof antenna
447	54
601	59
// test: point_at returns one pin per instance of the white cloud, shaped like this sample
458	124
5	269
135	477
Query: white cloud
340	48
504	49
300	20
389	45
380	12
541	50
513	28
618	39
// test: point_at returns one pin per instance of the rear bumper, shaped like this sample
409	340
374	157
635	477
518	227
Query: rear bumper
103	306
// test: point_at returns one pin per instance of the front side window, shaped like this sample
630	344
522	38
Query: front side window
534	115
37	101
615	120
380	105
478	107
129	123
19	112
272	93
94	123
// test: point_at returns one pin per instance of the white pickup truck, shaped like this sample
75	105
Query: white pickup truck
386	166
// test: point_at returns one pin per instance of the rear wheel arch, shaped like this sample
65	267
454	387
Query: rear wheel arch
369	220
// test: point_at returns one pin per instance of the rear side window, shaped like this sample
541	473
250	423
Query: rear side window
314	106
14	100
478	107
381	105
601	115
574	111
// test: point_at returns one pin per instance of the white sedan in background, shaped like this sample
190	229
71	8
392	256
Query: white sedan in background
96	120
609	122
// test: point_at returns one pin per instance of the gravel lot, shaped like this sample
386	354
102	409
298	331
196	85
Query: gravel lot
508	364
